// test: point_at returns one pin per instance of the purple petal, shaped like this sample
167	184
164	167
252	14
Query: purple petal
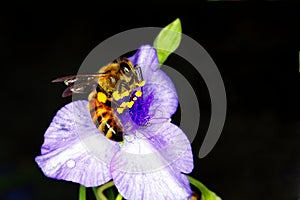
171	144
174	147
156	80
166	183
74	150
151	168
165	100
149	149
146	58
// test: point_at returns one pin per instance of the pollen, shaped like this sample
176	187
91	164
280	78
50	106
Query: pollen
130	104
124	94
134	98
116	95
123	105
138	93
101	97
120	110
142	83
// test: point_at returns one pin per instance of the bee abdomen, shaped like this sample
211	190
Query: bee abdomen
103	117
110	128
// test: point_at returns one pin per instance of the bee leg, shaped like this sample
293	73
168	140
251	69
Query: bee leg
114	104
139	75
125	105
122	90
123	85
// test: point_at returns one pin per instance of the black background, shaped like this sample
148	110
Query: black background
256	48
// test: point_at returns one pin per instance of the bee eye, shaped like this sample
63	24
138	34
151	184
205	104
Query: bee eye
125	67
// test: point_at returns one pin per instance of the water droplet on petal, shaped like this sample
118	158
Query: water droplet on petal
71	163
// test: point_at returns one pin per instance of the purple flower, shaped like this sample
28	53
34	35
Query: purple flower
147	165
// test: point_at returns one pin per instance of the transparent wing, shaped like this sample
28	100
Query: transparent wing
79	83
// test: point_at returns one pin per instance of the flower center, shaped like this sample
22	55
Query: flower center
139	112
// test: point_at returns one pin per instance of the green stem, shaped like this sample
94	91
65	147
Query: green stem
206	193
82	193
110	193
99	191
95	193
119	197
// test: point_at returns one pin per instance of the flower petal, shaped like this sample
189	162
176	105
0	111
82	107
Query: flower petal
156	80
74	150
150	149
146	58
150	168
165	101
173	146
167	184
163	183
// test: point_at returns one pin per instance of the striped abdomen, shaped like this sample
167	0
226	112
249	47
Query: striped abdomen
104	118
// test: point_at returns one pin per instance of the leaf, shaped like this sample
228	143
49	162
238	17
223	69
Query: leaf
206	193
82	192
168	40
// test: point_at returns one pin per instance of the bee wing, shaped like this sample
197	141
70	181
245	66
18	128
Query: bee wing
78	83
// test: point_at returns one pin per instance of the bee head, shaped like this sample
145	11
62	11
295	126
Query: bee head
125	67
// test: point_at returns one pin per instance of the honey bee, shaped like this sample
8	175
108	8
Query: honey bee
108	86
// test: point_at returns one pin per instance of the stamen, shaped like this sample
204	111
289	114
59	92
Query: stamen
130	104
138	93
123	105
139	112
120	110
124	94
116	95
159	120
